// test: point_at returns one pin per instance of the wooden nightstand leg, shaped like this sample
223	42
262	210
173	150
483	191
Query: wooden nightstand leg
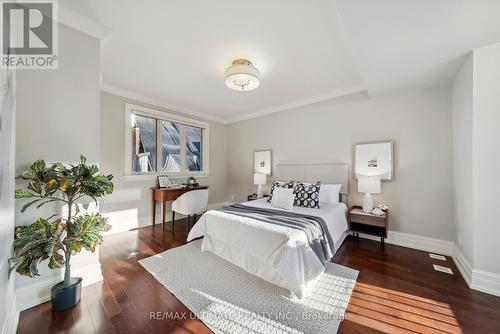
382	241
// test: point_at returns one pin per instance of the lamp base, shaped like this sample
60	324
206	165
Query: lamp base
260	192
367	203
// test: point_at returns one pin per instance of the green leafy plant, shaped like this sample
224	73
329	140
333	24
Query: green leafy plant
56	239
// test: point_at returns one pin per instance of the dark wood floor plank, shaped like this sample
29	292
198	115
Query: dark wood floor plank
397	292
107	298
82	319
100	319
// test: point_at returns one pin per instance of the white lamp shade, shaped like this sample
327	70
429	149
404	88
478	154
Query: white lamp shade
369	184
259	179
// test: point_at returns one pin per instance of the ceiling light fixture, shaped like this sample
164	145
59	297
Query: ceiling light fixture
242	76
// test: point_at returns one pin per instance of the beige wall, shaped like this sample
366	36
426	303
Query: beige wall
57	119
462	104
130	204
476	142
8	311
486	159
420	197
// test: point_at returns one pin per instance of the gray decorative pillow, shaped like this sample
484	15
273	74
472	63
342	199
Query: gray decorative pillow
307	195
276	184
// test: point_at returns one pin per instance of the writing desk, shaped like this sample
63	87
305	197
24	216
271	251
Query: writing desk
163	195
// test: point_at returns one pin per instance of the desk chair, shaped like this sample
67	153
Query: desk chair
190	203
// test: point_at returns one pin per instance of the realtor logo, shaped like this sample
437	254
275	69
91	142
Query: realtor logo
29	34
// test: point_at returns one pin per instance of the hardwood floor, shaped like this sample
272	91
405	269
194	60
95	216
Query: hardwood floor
397	292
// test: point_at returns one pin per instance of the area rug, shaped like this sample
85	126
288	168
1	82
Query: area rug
230	300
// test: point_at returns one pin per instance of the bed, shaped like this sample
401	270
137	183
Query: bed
275	253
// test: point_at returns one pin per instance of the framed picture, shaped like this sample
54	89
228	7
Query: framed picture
374	158
163	181
262	162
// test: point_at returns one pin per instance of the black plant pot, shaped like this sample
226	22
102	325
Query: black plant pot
66	297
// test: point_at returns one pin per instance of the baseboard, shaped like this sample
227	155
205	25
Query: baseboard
12	318
416	242
39	293
462	264
476	279
485	282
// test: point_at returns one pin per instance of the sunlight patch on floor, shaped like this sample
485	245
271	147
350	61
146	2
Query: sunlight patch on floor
231	318
393	311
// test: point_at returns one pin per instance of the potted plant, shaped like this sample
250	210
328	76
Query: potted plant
56	238
192	181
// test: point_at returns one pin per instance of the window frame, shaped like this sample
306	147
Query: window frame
165	116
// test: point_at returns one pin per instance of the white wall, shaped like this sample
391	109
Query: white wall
419	122
476	160
8	309
57	119
486	159
462	106
130	204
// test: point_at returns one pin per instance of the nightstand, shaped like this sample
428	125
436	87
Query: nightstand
367	223
253	197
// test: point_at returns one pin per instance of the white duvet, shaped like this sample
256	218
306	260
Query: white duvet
277	254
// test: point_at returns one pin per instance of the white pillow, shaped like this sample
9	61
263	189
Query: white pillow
329	193
283	198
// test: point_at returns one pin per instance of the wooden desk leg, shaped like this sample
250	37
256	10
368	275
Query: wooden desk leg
164	207
153	208
173	220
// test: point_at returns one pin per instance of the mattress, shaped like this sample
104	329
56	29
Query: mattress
277	254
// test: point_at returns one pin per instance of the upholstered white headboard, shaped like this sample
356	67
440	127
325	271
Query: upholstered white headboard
337	173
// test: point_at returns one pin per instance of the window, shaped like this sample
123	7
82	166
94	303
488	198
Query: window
158	143
194	140
171	147
144	144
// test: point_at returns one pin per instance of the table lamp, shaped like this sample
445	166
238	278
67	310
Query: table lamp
259	180
368	185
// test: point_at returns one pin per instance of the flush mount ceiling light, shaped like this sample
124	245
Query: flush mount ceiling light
242	76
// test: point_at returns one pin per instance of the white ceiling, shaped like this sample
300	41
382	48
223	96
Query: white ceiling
175	52
410	44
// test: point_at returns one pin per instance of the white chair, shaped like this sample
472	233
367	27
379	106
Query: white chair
190	203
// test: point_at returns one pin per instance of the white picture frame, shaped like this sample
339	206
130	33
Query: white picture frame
262	162
163	182
374	159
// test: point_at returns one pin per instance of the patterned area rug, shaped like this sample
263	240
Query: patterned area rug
230	300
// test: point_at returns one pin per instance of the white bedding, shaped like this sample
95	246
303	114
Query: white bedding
277	254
